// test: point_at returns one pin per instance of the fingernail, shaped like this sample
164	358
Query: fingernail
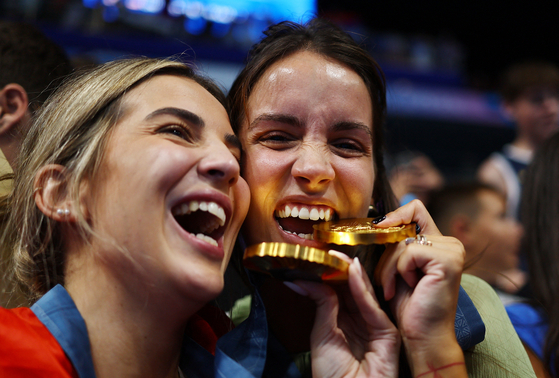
298	289
338	254
417	229
359	270
378	219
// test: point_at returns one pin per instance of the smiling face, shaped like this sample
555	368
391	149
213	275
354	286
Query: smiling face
169	191
307	148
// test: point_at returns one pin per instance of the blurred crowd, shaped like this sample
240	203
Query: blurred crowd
505	217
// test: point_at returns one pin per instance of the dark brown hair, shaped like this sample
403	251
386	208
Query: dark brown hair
461	197
32	60
324	38
539	214
522	76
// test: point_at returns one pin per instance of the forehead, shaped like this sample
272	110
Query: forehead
307	82
491	200
537	91
173	91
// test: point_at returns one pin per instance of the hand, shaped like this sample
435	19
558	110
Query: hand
352	336
422	283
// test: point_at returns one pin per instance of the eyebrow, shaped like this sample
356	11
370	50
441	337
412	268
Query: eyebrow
341	126
233	141
281	118
183	114
294	121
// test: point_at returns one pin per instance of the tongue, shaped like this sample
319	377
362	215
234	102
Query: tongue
296	225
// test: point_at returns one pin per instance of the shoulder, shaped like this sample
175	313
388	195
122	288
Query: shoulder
524	314
491	172
19	321
28	349
530	324
501	353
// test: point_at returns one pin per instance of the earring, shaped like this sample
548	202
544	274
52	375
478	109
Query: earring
63	212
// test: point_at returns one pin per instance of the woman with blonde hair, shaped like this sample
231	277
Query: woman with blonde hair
125	208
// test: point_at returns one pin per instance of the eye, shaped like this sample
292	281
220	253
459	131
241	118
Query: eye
178	131
277	140
349	147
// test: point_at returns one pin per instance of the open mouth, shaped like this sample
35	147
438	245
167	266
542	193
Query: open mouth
299	219
205	220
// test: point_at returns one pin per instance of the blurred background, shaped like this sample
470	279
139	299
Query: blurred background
442	59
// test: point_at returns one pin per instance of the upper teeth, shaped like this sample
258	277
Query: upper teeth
304	212
210	207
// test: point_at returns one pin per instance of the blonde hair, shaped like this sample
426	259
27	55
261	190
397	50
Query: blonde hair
72	130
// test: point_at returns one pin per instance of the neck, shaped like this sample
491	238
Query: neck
523	143
133	331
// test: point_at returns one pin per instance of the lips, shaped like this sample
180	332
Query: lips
298	219
203	219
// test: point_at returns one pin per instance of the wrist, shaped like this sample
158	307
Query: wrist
436	358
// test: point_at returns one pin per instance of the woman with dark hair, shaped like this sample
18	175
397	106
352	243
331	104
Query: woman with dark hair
537	322
309	109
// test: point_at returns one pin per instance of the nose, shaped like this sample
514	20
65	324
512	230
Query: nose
219	165
312	168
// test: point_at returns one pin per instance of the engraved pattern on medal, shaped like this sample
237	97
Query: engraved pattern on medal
358	227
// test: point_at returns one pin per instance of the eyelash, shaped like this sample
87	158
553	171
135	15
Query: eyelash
184	132
280	140
276	139
350	146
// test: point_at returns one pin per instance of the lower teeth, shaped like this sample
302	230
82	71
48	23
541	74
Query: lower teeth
302	236
206	239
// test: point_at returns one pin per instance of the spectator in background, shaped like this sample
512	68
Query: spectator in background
413	175
31	67
530	93
537	321
475	214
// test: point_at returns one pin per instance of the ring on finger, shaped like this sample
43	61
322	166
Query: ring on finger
419	239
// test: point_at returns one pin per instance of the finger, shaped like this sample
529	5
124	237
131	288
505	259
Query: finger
349	260
365	300
444	259
340	255
405	260
414	211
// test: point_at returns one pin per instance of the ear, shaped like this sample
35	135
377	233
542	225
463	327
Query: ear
460	228
52	195
13	107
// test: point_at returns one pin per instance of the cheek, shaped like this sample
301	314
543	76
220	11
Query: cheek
358	182
264	170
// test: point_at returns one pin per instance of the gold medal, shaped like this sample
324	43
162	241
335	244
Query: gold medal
289	262
360	231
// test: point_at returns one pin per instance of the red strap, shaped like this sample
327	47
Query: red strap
28	349
207	326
